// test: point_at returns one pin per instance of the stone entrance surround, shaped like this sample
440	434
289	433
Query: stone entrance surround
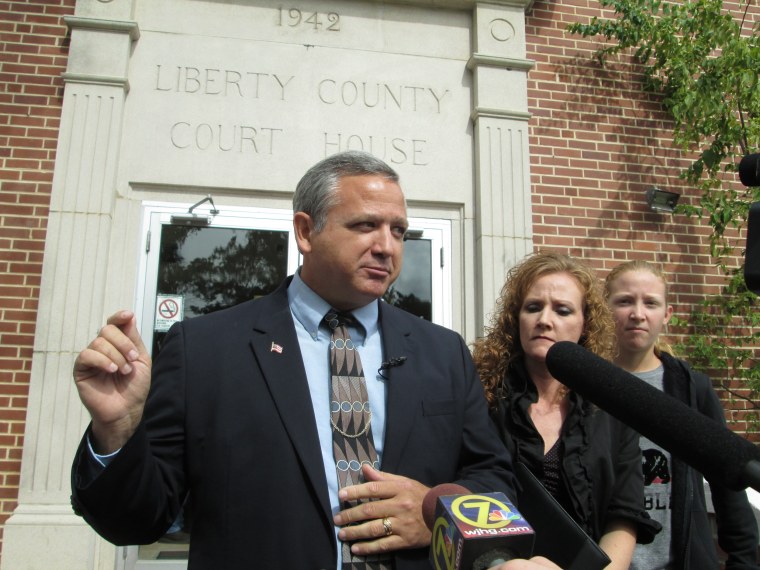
174	99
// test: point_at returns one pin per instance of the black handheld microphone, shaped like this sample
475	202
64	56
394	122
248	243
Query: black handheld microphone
711	448
473	531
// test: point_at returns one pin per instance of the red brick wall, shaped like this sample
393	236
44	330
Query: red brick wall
33	54
597	143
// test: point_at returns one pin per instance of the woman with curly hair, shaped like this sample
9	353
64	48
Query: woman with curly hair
589	461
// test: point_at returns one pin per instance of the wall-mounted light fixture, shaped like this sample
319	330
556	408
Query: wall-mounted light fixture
662	200
191	219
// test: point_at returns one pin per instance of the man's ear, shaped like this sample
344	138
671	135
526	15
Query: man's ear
304	230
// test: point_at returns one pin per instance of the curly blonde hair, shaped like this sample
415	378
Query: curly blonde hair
660	345
501	346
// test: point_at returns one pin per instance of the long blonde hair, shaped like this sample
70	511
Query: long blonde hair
660	345
494	352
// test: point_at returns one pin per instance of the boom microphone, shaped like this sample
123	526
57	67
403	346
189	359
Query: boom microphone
711	448
749	170
473	531
752	252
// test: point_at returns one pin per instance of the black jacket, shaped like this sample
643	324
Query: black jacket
601	460
230	420
692	537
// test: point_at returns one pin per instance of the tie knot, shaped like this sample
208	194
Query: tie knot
335	319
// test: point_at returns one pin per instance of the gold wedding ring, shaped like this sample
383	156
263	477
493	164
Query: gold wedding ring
387	526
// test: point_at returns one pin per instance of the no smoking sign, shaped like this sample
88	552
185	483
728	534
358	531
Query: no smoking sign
168	311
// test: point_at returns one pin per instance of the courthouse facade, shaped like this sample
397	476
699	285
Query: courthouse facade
147	142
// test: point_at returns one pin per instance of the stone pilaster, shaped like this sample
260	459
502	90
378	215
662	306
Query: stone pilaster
502	211
43	532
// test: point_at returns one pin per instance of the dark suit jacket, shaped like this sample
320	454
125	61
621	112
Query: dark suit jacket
691	533
230	420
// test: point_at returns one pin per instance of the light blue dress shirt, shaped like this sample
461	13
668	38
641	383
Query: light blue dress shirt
308	310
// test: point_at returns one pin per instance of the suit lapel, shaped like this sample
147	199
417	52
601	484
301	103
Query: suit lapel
275	346
404	390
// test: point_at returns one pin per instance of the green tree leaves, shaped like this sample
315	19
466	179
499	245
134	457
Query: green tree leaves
704	63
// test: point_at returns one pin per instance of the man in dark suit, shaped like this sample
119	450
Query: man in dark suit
236	408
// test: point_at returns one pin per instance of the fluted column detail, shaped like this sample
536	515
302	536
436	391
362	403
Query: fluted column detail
72	290
503	228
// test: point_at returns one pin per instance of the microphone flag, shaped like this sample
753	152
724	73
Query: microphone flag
477	531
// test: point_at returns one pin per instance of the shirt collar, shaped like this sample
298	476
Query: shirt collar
309	309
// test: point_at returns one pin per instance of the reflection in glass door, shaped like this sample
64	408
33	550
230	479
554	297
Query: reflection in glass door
413	289
205	269
424	286
191	270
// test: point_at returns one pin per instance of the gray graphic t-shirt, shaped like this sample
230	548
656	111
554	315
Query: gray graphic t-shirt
655	462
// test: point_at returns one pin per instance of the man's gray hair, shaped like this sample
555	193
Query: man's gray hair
316	192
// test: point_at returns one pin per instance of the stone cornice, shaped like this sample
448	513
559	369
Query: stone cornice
79	23
479	112
526	5
478	59
84	78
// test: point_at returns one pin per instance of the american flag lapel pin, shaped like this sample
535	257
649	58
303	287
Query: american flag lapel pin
276	348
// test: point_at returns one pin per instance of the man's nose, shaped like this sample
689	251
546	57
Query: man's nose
384	241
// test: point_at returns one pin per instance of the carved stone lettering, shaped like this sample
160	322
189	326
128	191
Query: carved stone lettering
316	21
221	82
385	96
226	138
396	150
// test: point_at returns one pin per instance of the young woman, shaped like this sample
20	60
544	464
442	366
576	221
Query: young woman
637	293
586	459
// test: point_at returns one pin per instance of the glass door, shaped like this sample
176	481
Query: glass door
191	270
424	286
205	269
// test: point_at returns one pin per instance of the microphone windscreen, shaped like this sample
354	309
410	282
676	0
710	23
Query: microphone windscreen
711	448
749	170
431	498
752	251
476	531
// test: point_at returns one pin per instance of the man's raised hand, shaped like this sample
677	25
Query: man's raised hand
112	376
